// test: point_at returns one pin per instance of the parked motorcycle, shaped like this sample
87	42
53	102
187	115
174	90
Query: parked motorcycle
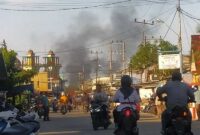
99	119
127	124
17	129
17	124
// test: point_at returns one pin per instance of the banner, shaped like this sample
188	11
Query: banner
169	61
195	49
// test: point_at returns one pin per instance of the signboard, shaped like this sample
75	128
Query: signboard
195	48
169	61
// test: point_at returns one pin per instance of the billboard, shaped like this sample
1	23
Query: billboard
169	61
195	49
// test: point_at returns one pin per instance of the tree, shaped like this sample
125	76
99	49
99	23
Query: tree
166	47
147	56
16	75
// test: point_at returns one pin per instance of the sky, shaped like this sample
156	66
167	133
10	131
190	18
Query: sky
65	26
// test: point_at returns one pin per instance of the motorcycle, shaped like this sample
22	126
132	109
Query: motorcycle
16	129
17	124
55	106
63	109
99	119
127	123
179	122
40	110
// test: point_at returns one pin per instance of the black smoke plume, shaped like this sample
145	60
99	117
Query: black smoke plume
87	29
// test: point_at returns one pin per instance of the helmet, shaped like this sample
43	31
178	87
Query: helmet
62	93
126	81
176	76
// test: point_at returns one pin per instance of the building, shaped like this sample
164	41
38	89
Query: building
30	61
47	79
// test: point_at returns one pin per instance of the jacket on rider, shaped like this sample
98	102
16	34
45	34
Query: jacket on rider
126	95
100	96
178	93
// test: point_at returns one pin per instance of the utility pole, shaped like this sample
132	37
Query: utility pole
83	77
144	22
110	65
123	56
97	64
180	37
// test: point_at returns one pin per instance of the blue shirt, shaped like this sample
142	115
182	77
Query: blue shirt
177	92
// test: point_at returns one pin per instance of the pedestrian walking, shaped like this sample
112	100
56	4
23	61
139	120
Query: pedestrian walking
45	103
159	107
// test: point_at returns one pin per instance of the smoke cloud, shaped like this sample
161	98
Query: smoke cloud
88	28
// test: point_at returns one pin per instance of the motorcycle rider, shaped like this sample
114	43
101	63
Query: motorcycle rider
63	100
101	97
127	96
178	93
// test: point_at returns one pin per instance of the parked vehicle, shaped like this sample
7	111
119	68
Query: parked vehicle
17	124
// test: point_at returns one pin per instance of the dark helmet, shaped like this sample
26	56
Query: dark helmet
176	76
126	81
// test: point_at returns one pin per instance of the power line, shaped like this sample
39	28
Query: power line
170	25
186	33
189	15
65	9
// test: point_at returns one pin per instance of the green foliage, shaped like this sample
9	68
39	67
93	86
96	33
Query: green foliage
16	75
147	56
167	46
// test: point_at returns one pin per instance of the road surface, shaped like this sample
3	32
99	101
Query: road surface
79	123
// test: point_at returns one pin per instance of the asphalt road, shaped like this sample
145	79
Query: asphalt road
79	123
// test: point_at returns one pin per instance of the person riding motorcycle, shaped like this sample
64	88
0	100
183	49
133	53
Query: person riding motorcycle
63	100
127	96
178	94
100	97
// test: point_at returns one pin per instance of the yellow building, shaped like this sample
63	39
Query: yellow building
48	79
41	82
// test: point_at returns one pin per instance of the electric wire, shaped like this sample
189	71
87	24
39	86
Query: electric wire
72	8
170	25
186	33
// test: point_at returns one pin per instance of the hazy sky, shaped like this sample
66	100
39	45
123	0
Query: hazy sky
42	30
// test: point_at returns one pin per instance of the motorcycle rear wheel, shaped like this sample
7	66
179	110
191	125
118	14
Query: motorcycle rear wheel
94	127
